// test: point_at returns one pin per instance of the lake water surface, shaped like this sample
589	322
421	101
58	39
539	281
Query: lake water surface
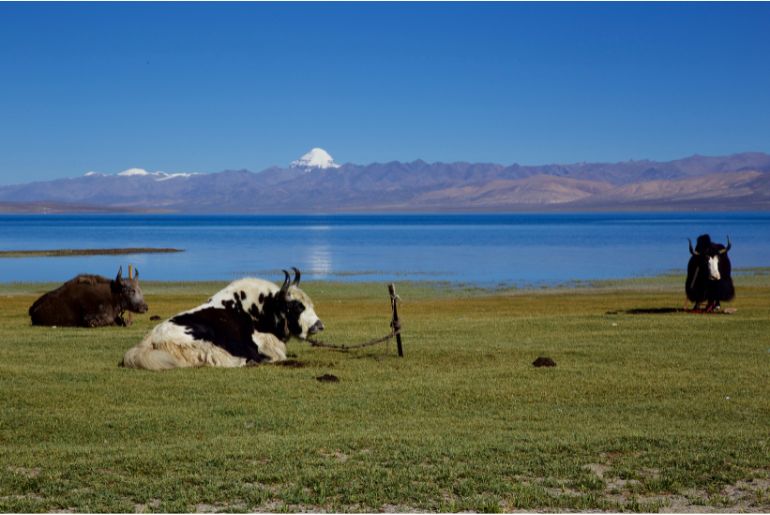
521	249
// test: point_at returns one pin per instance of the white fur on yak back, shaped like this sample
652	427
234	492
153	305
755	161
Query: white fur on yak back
168	346
201	336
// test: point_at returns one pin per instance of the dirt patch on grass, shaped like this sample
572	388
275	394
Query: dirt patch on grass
399	508
597	468
26	472
616	485
743	496
336	455
276	506
150	506
225	507
23	497
328	378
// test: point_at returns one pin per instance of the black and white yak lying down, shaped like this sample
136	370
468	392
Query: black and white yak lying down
247	323
708	274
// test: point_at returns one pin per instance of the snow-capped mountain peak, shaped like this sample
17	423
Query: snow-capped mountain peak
316	158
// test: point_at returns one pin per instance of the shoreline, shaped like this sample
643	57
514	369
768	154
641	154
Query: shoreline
16	254
672	281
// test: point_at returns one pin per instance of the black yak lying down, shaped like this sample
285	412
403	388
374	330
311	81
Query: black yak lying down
89	301
708	274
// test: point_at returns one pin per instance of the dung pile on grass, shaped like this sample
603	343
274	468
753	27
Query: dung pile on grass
544	362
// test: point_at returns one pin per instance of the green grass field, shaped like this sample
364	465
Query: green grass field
648	409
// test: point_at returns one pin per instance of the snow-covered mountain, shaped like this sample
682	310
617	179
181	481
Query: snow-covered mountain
141	172
739	181
316	158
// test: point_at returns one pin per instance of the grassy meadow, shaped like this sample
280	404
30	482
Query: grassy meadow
648	409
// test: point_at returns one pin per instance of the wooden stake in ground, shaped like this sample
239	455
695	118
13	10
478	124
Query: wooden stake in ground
395	324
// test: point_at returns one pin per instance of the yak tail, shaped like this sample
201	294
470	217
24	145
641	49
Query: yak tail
143	355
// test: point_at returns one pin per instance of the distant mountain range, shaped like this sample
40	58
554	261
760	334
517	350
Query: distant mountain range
315	184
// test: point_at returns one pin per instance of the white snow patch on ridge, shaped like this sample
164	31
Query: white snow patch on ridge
133	171
166	176
141	172
316	158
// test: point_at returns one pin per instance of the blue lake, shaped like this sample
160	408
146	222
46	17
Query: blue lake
521	249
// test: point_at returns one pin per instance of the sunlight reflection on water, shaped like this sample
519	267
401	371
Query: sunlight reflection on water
478	249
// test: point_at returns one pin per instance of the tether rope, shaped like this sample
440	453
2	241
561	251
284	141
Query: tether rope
395	329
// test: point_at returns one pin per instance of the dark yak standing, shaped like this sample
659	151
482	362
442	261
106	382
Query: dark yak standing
708	273
89	301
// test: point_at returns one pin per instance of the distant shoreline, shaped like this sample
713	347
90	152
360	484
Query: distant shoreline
84	252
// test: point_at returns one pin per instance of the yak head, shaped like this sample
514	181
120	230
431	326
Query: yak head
296	308
129	292
711	254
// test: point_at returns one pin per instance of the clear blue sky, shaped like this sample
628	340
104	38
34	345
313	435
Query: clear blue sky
208	86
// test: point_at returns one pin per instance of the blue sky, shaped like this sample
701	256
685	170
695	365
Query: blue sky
203	87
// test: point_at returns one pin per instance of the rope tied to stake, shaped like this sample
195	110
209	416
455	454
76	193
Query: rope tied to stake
395	331
344	348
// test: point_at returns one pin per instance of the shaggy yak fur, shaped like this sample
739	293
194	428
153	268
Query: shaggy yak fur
708	274
247	323
89	301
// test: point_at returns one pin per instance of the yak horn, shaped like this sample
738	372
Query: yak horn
136	273
130	270
694	253
120	273
297	276
724	250
286	280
